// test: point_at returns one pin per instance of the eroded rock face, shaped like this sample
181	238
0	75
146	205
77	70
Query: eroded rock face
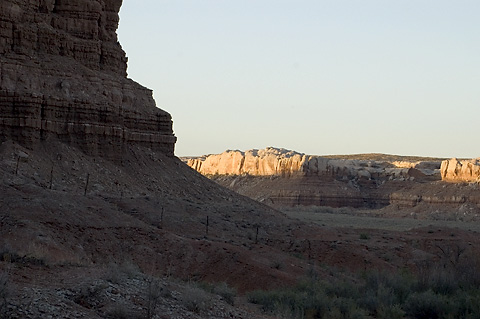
270	161
282	162
63	75
280	177
455	170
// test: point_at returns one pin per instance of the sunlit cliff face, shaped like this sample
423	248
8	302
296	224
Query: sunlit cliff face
281	162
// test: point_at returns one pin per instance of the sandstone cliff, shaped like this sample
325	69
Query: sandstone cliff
63	75
282	162
279	177
455	170
270	161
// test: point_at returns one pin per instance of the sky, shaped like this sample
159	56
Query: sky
315	76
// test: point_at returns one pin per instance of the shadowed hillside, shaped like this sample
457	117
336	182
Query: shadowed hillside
99	219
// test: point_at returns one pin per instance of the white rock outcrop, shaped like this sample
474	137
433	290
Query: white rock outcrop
454	170
282	162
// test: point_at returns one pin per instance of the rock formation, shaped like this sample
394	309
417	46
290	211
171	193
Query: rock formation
63	75
455	170
280	177
270	161
65	100
282	162
283	178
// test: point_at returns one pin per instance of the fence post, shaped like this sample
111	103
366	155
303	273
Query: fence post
161	218
206	227
86	185
16	167
51	177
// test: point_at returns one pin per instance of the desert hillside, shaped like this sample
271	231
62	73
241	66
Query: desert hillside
99	219
90	182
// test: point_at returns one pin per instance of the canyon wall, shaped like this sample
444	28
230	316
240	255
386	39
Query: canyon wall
283	178
63	75
455	170
270	161
280	177
282	162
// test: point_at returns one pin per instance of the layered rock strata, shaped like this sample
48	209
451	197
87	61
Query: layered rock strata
282	162
280	177
455	170
63	75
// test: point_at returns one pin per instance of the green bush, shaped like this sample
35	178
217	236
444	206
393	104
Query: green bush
195	299
298	301
222	289
442	281
467	304
364	236
389	295
427	305
226	292
154	292
3	294
390	312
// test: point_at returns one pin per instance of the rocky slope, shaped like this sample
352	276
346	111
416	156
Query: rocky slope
63	75
65	211
89	178
78	249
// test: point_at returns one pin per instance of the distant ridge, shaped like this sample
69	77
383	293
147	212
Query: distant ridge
385	157
281	177
283	162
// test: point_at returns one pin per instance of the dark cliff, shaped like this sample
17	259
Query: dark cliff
63	75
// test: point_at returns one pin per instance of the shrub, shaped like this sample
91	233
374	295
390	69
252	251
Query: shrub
226	292
269	300
390	312
305	298
346	308
373	295
364	236
118	312
195	299
342	288
8	255
442	281
154	292
427	305
222	289
116	273
468	305
276	265
88	296
3	295
391	288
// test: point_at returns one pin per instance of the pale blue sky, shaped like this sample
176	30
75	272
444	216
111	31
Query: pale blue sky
319	77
